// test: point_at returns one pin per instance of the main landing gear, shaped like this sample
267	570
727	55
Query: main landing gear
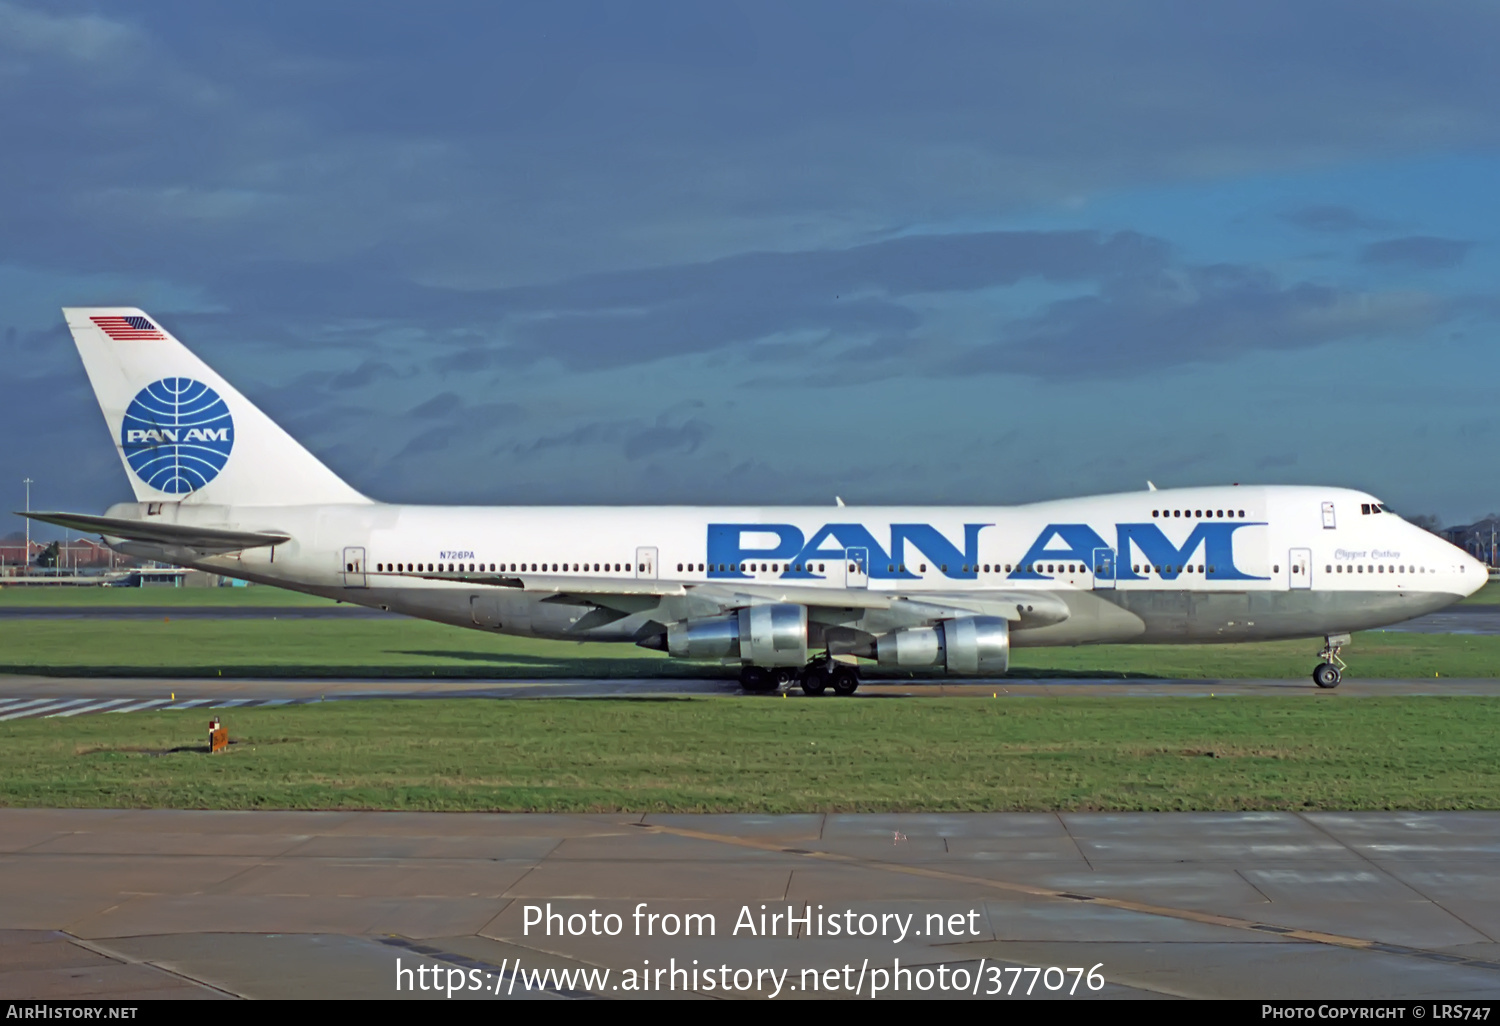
815	678
1331	670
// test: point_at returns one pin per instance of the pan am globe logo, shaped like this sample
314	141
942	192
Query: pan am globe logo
177	435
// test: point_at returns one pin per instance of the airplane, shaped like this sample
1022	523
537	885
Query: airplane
791	595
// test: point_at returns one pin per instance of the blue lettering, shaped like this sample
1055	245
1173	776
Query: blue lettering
845	536
1216	540
926	539
1079	542
725	553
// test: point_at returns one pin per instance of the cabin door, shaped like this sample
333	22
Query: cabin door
354	568
856	568
1299	568
1104	568
645	563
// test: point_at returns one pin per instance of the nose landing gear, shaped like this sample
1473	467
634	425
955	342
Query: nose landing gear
1331	671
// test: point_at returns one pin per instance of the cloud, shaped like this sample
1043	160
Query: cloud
1332	219
1197	315
1424	252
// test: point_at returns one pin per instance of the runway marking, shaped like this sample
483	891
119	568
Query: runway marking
49	705
49	708
1124	904
143	704
94	708
25	703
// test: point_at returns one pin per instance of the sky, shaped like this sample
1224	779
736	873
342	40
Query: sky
763	253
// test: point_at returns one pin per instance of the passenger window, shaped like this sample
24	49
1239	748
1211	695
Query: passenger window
922	568
1198	513
1177	512
1007	568
1276	569
1328	569
1154	513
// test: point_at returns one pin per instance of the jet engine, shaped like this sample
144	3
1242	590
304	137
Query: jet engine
967	645
769	635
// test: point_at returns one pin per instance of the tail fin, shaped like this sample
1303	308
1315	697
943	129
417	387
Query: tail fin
184	433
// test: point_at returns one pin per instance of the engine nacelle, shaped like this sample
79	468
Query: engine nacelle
717	638
774	635
771	635
967	645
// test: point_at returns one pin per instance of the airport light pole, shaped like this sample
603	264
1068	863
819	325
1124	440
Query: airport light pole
26	556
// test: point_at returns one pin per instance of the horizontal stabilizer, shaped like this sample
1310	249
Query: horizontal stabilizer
202	539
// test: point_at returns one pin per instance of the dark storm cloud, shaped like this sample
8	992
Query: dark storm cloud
1425	252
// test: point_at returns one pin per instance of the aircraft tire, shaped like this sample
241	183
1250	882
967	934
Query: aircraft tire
814	680
756	680
845	680
1327	676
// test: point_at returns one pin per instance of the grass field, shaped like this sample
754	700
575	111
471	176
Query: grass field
1489	595
767	755
414	648
117	598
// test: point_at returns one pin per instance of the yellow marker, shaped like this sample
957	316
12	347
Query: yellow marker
174	696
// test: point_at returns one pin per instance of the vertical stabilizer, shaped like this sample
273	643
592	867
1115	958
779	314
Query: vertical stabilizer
184	433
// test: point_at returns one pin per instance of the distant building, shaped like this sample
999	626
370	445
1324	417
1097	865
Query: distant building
1480	539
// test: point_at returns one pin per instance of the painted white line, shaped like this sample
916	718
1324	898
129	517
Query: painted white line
148	703
189	705
278	701
40	709
22	703
97	707
231	703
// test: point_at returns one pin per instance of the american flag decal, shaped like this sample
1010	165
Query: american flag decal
128	329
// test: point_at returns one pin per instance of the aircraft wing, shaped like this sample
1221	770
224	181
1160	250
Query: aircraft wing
202	540
686	599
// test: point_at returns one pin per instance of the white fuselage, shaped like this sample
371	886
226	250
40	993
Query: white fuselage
1198	564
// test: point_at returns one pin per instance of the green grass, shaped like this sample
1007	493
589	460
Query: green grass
417	648
1489	595
1324	751
49	597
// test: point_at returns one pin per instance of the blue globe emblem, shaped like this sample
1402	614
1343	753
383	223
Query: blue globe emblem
177	435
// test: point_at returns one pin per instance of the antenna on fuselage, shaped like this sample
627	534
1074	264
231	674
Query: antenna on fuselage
1150	487
839	500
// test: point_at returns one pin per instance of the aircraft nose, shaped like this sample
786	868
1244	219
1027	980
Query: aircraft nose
1476	576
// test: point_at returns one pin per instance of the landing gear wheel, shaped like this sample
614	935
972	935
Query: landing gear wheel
756	680
1331	670
1327	676
781	677
815	680
845	680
